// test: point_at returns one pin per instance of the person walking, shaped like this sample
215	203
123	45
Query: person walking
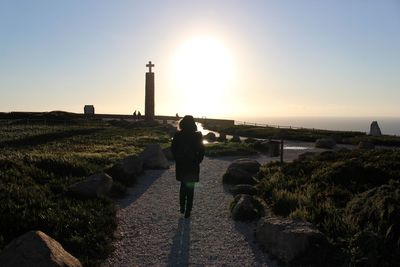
188	151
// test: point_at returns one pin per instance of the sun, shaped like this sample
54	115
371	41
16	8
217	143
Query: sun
203	75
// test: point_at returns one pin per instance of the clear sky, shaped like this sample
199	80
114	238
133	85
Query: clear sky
212	58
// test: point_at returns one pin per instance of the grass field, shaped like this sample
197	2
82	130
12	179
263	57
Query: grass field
38	163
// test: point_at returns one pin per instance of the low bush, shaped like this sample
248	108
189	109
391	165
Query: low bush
351	196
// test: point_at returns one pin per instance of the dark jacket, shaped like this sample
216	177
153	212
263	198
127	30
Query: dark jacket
188	151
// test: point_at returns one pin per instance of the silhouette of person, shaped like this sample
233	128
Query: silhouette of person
188	151
134	115
139	115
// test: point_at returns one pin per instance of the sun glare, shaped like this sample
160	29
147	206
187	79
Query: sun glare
203	74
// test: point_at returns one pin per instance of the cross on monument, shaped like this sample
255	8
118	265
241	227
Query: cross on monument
150	65
149	96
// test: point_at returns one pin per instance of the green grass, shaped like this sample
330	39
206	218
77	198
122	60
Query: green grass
351	196
38	163
229	149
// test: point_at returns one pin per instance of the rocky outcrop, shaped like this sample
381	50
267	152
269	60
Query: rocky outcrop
328	143
94	186
288	239
374	129
243	189
154	158
241	171
35	248
210	137
127	170
246	208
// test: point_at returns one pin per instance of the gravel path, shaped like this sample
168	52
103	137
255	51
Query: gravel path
152	232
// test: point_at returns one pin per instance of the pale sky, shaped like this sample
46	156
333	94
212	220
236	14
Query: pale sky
212	58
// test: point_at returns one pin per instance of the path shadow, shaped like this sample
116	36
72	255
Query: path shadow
143	183
180	250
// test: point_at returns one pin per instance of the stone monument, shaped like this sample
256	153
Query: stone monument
374	129
149	98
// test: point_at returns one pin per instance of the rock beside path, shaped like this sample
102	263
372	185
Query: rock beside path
289	239
153	157
127	170
246	208
35	248
241	171
94	186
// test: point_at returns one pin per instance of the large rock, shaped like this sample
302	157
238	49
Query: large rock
210	137
35	248
241	171
246	208
222	137
250	165
243	189
325	143
288	239
168	153
127	170
154	158
374	129
94	186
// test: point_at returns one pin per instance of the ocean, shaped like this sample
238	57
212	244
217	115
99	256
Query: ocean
388	125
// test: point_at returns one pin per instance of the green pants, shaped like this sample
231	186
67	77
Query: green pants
186	196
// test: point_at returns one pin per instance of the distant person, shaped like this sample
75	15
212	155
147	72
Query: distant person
134	116
188	151
139	116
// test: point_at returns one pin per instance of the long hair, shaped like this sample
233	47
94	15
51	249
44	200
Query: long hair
187	124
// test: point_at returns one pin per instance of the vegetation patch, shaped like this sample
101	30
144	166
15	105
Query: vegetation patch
37	165
351	196
229	149
307	135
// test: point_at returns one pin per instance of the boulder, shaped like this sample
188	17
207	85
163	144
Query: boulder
154	158
243	189
222	137
35	248
241	171
246	208
325	143
236	139
168	153
288	239
374	129
127	170
366	145
210	137
249	165
94	186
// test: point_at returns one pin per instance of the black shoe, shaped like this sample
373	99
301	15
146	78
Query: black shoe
187	214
